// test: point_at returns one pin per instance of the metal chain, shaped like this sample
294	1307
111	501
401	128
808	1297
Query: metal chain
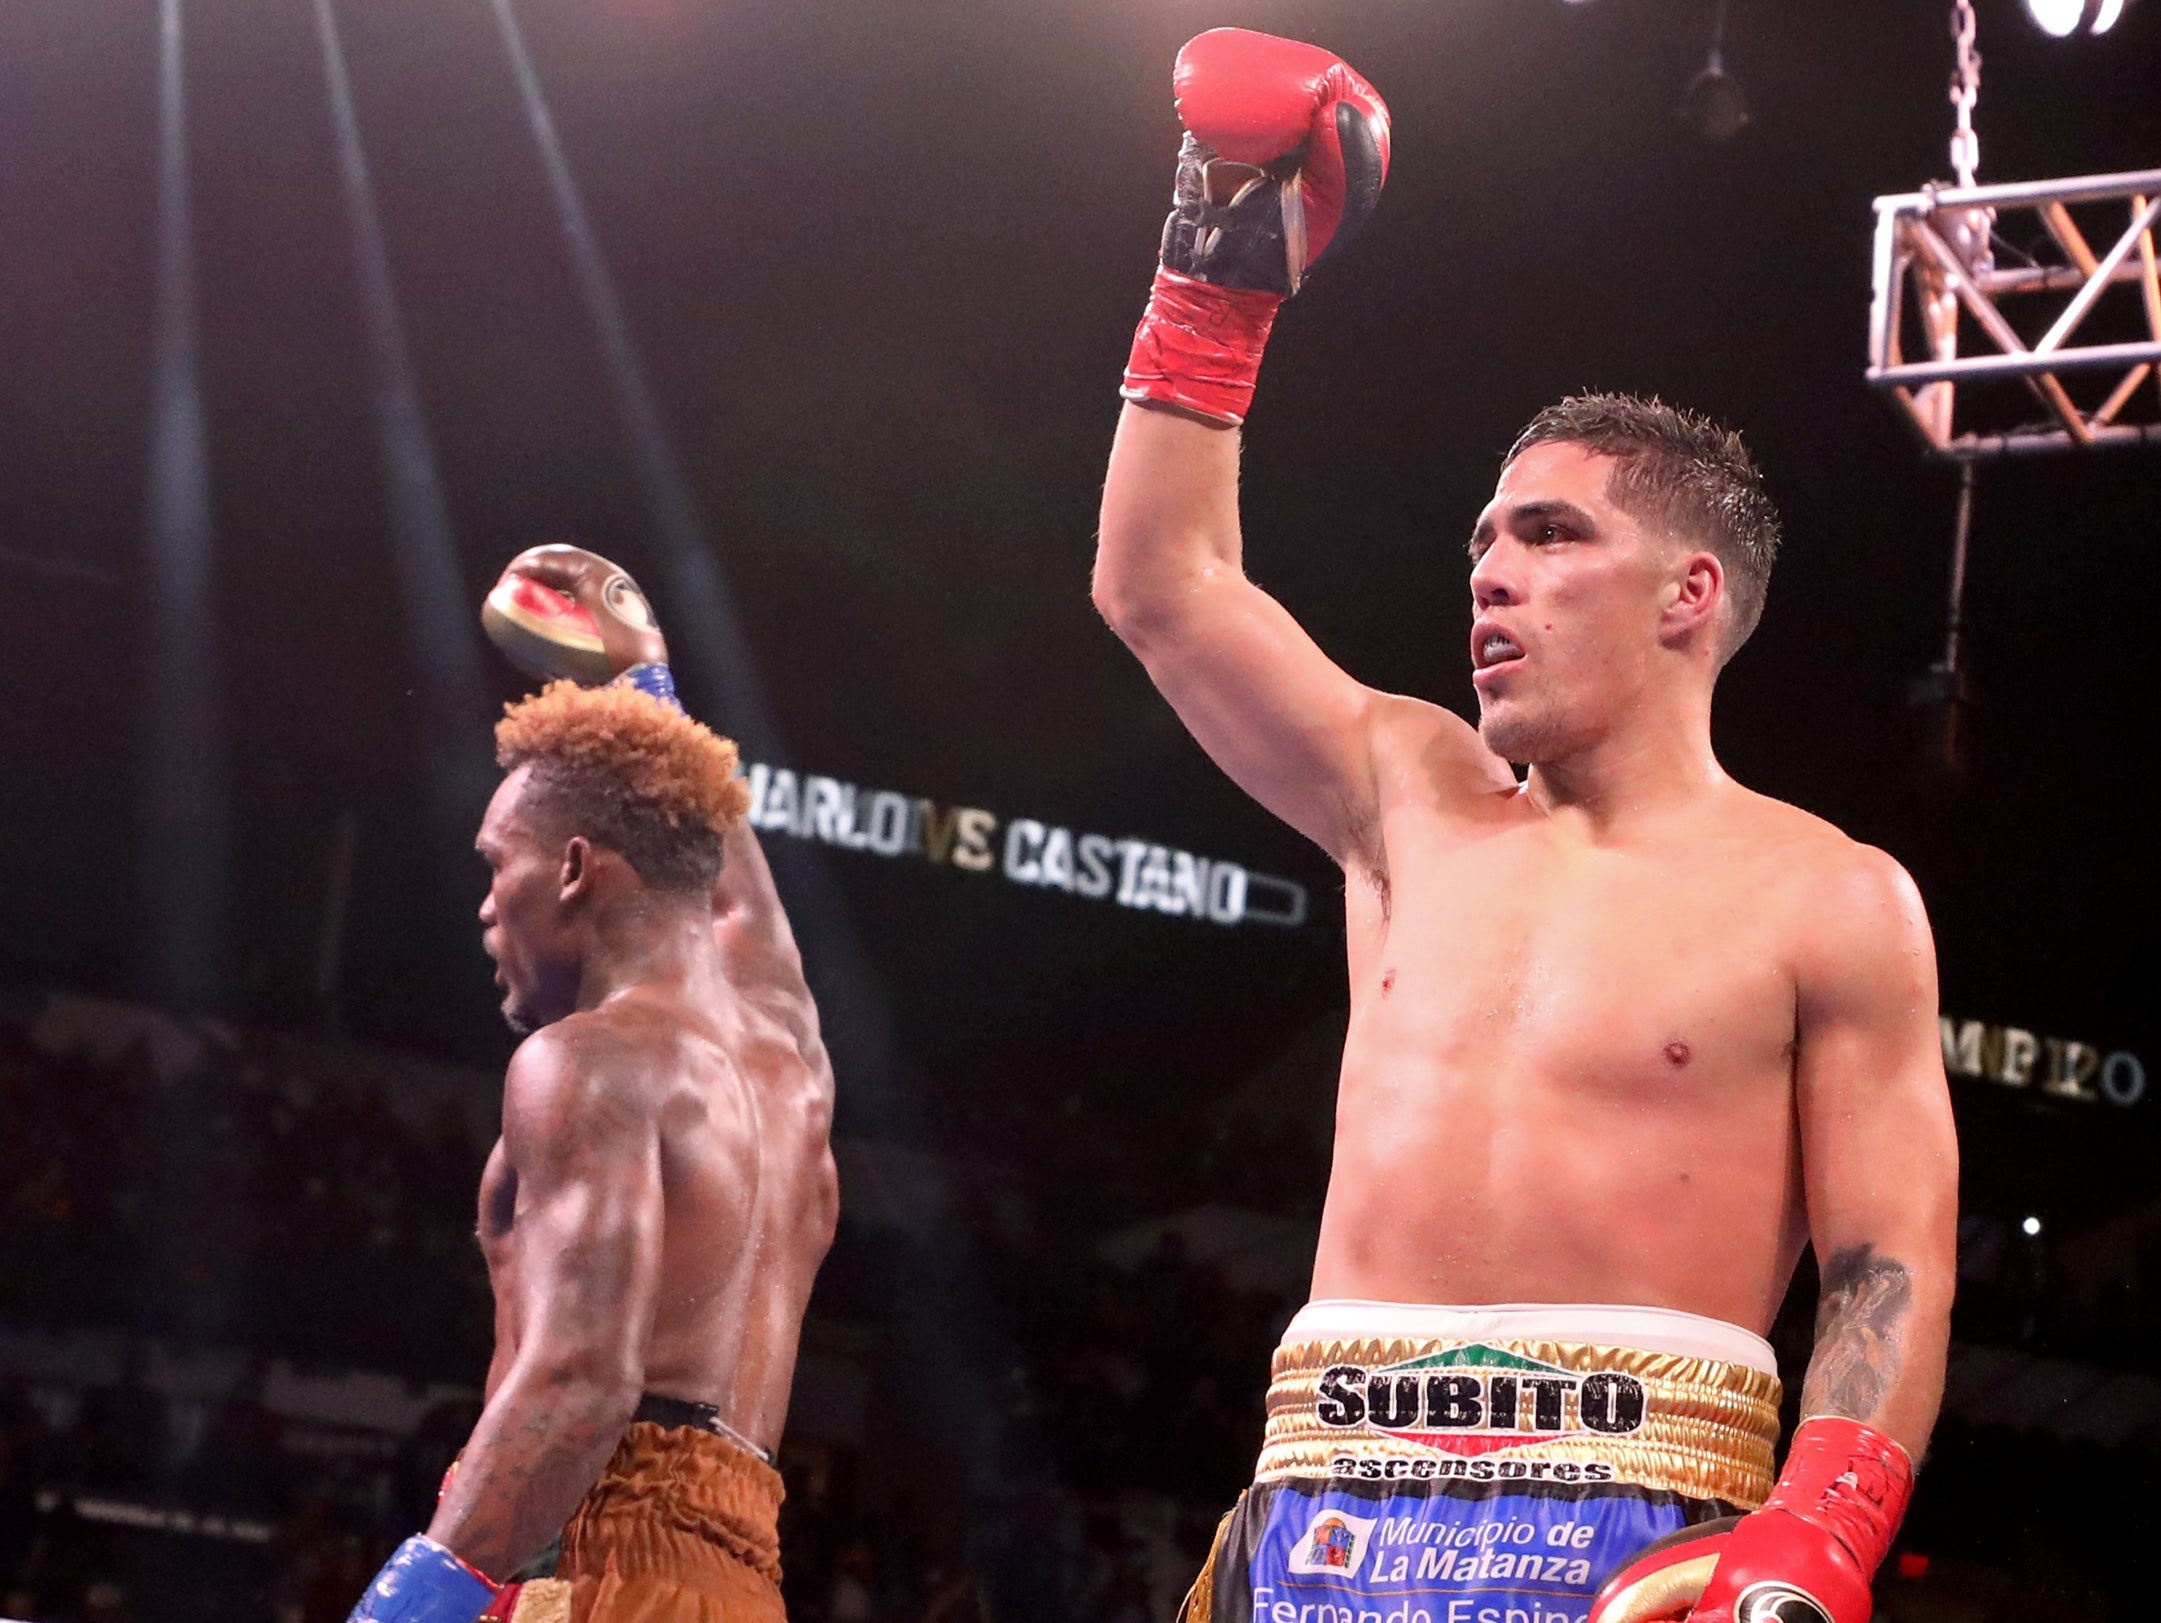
1965	91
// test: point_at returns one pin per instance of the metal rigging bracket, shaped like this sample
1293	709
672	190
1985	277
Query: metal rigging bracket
1933	256
2095	317
2078	331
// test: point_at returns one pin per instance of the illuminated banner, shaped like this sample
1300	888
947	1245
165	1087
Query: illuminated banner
2015	1058
1129	872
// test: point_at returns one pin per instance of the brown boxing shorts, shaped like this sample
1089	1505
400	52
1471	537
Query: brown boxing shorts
682	1527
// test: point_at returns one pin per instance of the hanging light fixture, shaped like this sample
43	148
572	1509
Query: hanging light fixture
2063	18
1713	105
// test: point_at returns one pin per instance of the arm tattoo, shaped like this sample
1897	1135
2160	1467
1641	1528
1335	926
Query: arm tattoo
526	1481
1860	1323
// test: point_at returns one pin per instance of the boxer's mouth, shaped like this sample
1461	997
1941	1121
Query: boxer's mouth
1491	646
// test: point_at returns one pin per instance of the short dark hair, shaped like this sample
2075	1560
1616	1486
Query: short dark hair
1680	469
631	774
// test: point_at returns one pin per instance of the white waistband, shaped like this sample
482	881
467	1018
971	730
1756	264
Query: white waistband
1647	1329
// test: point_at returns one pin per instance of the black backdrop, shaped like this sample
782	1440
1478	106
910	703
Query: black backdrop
880	260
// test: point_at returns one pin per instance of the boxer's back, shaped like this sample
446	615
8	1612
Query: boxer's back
1570	1066
752	1204
741	1121
747	1179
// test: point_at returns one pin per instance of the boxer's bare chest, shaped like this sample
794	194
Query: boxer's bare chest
1631	966
1545	1031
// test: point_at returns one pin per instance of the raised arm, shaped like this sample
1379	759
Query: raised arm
1878	1157
587	1237
1284	720
593	624
763	964
747	915
1284	154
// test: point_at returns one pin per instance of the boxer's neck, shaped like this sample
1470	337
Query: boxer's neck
1654	760
643	941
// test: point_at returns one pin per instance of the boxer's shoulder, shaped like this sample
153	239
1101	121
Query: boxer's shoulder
596	1070
589	1043
1845	904
1861	925
1823	860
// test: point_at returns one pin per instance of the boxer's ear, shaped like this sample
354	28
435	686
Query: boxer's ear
1693	596
577	872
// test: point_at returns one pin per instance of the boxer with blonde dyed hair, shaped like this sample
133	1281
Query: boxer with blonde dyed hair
663	1192
596	774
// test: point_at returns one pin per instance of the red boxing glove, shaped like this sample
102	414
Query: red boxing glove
1806	1557
1666	1579
1283	158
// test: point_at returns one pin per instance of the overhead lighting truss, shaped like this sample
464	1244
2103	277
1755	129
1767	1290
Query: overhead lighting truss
2093	360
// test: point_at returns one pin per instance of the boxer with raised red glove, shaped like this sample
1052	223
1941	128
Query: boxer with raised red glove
1806	1557
1284	154
1501	1216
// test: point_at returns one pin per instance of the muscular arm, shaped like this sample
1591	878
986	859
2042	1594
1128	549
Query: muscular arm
1288	725
758	947
587	1233
749	921
1879	1158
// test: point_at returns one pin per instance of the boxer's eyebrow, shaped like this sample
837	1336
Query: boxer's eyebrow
1561	515
1528	515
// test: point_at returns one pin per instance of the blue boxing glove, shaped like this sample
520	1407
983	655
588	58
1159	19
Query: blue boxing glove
424	1583
650	676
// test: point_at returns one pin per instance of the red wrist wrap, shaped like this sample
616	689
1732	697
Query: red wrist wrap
475	1571
1199	346
1848	1479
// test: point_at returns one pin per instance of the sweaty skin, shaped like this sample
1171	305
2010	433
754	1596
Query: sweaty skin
1625	1032
655	1212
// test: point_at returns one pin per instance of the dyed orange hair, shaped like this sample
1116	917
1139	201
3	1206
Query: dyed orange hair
630	773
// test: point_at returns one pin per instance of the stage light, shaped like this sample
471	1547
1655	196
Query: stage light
2063	18
1713	105
454	745
186	851
2031	1226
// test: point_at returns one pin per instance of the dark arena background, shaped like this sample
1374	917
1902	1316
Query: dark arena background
313	312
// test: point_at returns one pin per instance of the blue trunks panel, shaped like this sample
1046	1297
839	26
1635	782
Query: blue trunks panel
1314	1552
